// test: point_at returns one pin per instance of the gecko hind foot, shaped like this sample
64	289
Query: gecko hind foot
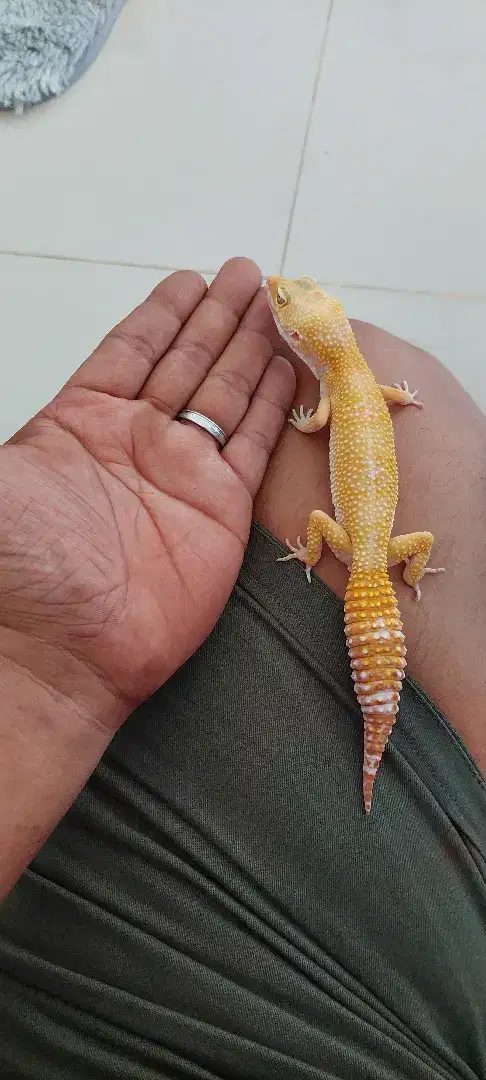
298	552
427	570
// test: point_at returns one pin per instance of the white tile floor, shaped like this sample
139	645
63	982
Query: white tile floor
339	138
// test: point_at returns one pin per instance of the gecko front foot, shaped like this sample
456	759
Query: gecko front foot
300	419
409	395
299	552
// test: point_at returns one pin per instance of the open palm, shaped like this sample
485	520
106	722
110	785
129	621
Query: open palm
123	529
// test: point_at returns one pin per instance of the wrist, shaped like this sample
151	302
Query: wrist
56	721
47	681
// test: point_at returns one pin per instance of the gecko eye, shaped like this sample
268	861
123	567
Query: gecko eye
281	298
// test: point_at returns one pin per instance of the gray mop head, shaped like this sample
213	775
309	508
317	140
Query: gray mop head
45	45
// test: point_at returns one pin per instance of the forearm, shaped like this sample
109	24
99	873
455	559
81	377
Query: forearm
56	720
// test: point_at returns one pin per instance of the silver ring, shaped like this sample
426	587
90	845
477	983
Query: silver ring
203	421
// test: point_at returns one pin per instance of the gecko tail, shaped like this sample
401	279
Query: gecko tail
377	652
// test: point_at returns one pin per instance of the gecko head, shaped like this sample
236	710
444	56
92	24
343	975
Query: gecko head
311	322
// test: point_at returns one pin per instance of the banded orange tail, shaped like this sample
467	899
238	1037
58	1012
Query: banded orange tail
377	652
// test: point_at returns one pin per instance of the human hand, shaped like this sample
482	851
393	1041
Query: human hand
122	530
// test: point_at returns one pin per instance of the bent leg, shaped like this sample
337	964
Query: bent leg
313	421
320	527
414	549
400	394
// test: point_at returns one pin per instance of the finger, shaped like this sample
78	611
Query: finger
127	355
227	390
250	447
204	337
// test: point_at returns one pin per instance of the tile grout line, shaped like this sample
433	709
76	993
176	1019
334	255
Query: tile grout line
126	265
300	168
360	287
95	262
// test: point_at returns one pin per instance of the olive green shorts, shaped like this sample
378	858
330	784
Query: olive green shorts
216	904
